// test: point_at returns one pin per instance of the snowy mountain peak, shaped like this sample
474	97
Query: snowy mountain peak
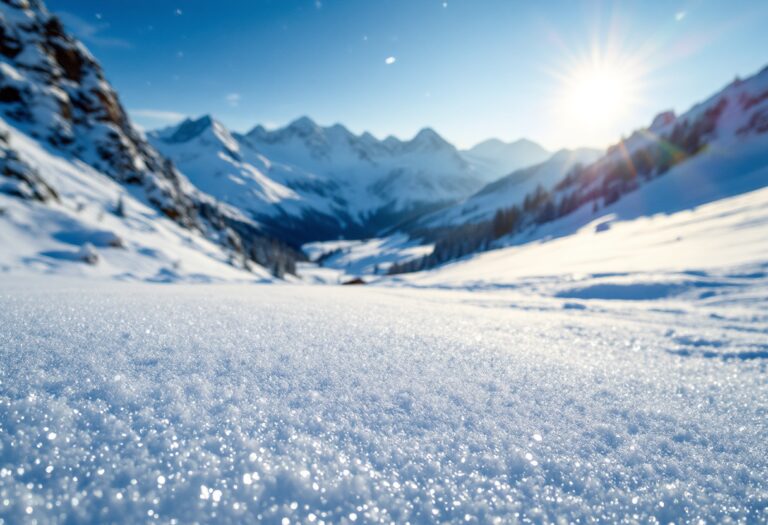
204	129
500	158
496	147
662	120
428	138
187	130
391	142
303	126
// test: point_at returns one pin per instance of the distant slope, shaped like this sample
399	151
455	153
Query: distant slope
716	150
513	188
647	245
496	158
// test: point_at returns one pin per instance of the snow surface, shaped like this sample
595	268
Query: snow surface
616	375
213	403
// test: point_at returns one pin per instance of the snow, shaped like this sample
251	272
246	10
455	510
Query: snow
363	175
512	189
216	163
606	367
497	158
302	174
612	370
214	403
345	259
711	238
52	238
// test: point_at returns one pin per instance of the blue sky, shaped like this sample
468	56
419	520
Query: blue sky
471	69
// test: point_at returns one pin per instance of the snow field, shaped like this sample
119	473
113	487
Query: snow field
296	404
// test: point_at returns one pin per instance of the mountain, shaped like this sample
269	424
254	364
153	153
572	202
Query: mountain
306	182
374	175
513	188
716	150
63	128
497	158
225	166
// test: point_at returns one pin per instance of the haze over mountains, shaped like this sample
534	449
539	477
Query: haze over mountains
499	158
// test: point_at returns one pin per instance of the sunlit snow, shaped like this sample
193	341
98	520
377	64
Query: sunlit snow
326	404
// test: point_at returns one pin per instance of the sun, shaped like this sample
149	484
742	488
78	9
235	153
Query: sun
598	94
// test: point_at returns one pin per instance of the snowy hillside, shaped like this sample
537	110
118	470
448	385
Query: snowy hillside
308	182
512	189
497	158
97	227
54	93
646	249
717	149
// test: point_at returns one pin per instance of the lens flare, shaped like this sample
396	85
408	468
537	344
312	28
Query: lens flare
598	95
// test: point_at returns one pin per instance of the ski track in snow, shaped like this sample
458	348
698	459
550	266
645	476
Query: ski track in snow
176	403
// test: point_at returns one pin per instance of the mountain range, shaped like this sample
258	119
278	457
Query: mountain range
305	182
83	191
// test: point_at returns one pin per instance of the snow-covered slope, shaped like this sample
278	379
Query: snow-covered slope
731	123
645	247
496	158
717	149
311	182
97	227
229	169
53	91
512	189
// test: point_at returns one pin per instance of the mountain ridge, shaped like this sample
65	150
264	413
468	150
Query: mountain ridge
320	173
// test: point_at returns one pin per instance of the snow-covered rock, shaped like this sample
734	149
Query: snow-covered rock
52	90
